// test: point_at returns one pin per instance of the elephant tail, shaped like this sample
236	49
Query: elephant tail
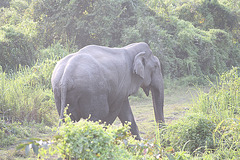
63	101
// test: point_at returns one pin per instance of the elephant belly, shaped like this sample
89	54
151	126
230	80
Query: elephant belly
87	104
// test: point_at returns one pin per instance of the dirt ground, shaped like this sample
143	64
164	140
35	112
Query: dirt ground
176	103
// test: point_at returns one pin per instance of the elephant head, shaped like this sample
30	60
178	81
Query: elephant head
148	67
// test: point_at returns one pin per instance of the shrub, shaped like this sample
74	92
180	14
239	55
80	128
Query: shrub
10	132
208	14
27	95
227	135
192	134
89	140
223	99
54	52
227	138
15	49
212	127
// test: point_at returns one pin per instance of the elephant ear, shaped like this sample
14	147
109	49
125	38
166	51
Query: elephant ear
139	64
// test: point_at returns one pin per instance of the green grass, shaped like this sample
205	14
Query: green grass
211	127
17	132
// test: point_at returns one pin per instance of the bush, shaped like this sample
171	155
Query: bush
209	14
192	134
89	140
27	95
223	99
15	49
199	53
11	132
55	52
213	122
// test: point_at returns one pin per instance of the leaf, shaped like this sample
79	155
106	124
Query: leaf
27	141
169	149
170	157
27	149
35	149
35	139
21	146
57	137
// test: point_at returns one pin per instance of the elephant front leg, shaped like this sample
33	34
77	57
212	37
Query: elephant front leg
127	115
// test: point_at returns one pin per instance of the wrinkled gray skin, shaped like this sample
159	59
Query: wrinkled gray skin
97	81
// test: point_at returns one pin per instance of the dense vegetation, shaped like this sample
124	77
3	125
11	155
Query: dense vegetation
213	123
195	40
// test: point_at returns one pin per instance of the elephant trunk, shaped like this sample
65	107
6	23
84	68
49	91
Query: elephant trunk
158	101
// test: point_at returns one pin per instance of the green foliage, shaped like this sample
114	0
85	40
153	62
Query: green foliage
192	134
197	42
10	132
223	100
92	140
226	134
85	22
89	140
181	155
198	53
213	14
55	52
192	39
15	49
17	36
33	143
212	127
27	94
209	14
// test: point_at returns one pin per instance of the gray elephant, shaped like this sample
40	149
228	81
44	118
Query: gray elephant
96	82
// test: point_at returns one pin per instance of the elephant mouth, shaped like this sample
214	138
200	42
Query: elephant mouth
146	90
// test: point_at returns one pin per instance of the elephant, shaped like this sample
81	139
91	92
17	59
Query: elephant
96	81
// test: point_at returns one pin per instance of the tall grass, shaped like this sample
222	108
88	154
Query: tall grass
223	99
26	95
211	129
